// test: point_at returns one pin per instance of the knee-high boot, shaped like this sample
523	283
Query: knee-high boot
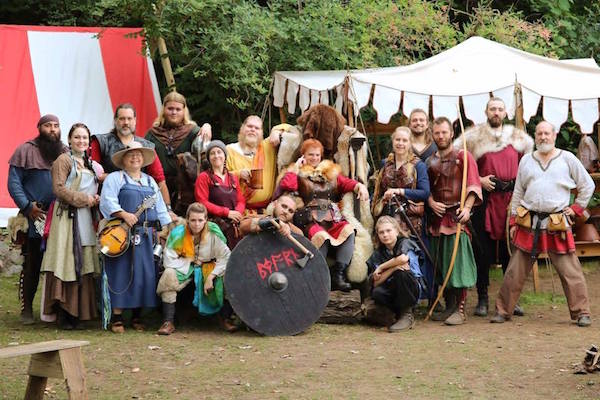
338	278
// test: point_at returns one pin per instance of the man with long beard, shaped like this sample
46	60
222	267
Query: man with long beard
253	155
445	168
540	222
30	186
422	142
497	148
103	147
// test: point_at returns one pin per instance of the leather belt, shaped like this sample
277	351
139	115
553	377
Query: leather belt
503	186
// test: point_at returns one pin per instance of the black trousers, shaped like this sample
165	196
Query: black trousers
399	292
343	252
30	275
484	250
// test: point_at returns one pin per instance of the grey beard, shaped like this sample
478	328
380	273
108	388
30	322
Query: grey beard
545	148
130	132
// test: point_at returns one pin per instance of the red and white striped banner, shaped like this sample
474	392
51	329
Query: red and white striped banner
78	74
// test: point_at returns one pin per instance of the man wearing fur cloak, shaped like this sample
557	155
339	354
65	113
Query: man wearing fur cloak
497	149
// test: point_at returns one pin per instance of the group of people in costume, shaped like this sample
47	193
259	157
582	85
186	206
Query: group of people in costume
441	215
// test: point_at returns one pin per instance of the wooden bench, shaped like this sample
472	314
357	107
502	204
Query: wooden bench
54	359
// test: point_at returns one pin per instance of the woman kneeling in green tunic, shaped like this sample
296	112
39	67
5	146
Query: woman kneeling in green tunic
195	251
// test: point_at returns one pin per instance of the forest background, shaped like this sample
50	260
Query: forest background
225	52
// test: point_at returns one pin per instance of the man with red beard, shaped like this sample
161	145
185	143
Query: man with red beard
254	154
445	168
30	186
497	148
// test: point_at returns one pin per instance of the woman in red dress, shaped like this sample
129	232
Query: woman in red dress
219	190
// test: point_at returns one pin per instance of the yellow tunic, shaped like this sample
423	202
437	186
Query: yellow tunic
236	161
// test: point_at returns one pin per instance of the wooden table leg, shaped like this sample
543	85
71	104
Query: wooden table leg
35	388
74	373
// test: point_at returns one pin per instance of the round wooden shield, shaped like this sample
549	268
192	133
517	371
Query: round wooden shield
269	290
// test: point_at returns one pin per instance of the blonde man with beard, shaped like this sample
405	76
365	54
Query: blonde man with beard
252	154
422	143
497	149
539	223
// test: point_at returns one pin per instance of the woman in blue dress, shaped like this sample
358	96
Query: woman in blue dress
132	277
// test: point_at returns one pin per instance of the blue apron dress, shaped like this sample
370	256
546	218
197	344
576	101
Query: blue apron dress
139	291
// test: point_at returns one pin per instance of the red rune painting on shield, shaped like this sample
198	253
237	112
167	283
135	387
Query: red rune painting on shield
272	263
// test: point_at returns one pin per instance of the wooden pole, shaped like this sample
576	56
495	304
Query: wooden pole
520	123
519	120
282	115
377	149
166	63
164	54
350	113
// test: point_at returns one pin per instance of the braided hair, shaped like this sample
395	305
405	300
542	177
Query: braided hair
87	161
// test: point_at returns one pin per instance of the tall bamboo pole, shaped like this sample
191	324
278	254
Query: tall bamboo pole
164	55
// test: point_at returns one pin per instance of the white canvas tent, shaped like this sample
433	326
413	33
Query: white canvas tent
471	70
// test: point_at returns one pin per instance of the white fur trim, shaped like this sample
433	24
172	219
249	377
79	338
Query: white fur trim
481	140
289	148
363	245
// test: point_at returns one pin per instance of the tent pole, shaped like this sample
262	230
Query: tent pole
349	105
376	140
519	120
282	115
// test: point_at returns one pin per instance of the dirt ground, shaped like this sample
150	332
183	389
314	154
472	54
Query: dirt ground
529	358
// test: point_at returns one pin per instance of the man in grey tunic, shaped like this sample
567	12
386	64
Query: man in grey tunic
540	223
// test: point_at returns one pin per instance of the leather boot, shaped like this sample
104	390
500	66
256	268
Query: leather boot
338	278
518	311
168	326
458	317
405	322
481	310
63	320
450	300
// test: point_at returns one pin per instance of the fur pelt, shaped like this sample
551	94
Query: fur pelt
289	148
481	140
324	123
363	245
326	170
18	223
345	158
